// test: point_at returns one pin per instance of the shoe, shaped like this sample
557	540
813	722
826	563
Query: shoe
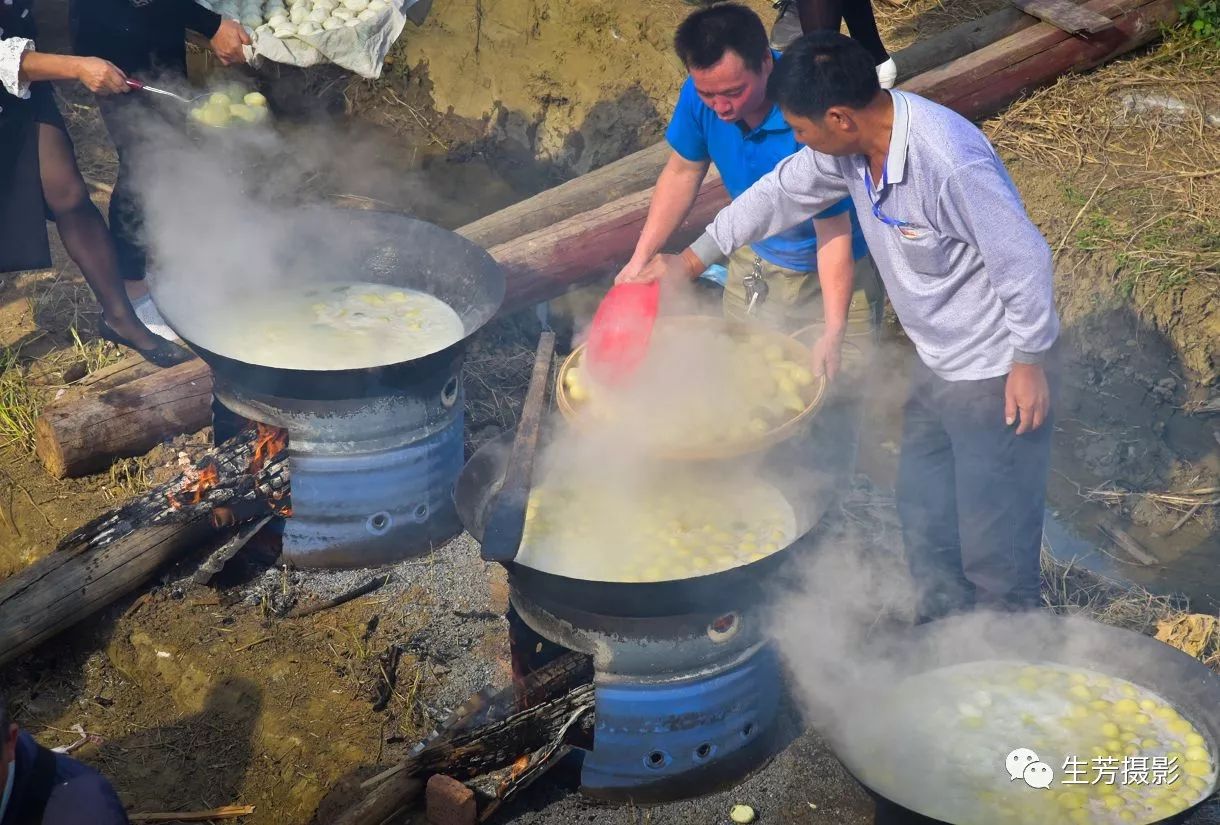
787	26
887	74
147	312
163	354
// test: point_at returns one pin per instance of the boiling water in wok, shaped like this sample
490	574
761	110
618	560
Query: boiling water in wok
955	744
663	530
334	326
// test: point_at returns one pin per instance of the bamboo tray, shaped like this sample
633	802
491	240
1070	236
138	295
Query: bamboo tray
574	413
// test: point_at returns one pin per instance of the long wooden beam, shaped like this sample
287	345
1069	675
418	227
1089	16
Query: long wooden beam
960	40
625	176
983	82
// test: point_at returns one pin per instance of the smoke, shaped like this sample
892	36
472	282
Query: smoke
845	631
226	217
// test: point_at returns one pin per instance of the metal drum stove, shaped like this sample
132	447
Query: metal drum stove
374	453
687	688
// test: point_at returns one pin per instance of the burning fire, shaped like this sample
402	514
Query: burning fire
195	490
269	442
519	767
515	772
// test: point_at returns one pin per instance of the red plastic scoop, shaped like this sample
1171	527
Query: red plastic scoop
621	330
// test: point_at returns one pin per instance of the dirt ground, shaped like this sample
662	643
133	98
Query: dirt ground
203	698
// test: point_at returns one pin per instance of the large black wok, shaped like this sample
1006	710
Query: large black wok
378	247
744	585
1039	637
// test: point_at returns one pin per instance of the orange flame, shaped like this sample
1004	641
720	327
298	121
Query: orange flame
270	442
519	767
514	773
197	489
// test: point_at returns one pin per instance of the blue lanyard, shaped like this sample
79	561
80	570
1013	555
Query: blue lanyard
875	199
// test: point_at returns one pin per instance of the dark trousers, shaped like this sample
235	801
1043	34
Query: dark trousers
971	496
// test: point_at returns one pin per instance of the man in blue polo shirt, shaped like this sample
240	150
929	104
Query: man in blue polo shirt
724	117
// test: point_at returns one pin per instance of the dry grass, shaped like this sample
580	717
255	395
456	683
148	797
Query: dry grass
1144	180
129	477
95	355
1069	589
496	376
1186	504
20	402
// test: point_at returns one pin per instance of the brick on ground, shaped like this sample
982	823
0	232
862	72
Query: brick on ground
449	802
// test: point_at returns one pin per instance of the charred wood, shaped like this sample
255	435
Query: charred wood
481	750
218	479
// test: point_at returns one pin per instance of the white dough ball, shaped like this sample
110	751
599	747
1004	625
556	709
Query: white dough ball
343	14
356	5
298	14
286	31
332	23
318	16
368	14
277	20
308	29
353	23
378	5
265	30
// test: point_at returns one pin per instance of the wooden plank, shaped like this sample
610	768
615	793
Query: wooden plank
1065	15
625	176
544	264
960	40
985	81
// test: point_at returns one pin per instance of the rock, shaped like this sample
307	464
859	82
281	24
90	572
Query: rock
449	802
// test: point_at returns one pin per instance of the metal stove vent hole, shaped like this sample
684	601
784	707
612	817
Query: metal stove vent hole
449	392
421	513
747	731
657	760
379	523
704	752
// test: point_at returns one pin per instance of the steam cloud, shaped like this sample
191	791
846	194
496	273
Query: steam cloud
224	209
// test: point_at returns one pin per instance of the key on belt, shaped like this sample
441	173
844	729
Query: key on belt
756	286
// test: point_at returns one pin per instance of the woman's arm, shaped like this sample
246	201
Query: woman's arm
12	51
95	73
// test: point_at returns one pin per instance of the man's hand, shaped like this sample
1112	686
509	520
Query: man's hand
684	267
827	354
1027	396
630	274
101	76
227	43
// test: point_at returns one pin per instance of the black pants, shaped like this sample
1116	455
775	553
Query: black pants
825	15
971	496
122	115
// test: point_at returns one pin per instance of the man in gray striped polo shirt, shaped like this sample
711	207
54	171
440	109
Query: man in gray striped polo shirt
969	276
